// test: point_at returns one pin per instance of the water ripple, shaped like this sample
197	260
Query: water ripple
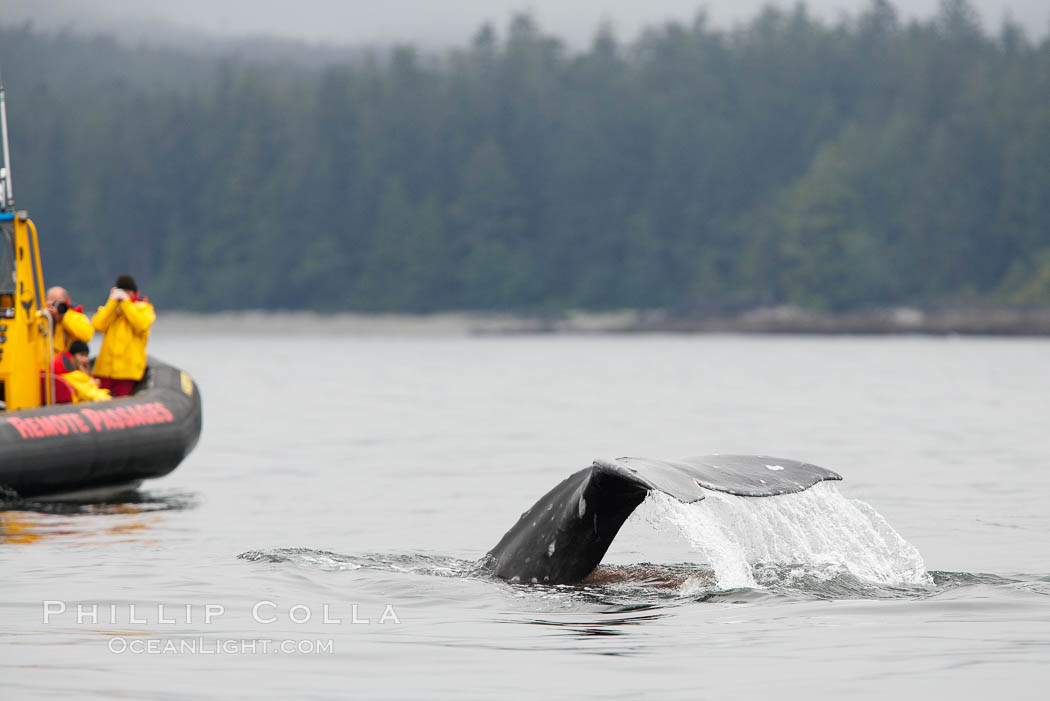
649	587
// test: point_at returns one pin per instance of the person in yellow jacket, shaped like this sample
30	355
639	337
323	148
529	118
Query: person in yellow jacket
74	366
125	320
71	323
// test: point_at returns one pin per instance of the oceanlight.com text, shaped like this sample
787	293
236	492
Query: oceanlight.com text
221	646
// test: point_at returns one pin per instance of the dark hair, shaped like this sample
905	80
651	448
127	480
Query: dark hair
126	282
78	346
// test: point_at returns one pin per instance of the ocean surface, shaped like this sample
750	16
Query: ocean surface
321	541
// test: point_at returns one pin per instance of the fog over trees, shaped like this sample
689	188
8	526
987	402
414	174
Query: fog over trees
836	166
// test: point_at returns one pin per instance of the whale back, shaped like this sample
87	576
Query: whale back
564	535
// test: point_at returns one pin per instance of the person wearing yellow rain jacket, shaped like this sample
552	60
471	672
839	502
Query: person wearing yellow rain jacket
125	320
71	323
74	366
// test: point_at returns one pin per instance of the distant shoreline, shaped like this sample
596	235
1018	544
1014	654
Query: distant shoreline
891	321
770	320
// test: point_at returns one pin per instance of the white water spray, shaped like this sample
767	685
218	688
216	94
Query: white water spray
818	529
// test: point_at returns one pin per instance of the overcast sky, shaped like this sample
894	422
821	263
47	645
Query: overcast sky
444	22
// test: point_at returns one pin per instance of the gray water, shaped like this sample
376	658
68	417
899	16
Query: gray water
367	474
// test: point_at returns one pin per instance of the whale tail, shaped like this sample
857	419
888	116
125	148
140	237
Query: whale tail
565	534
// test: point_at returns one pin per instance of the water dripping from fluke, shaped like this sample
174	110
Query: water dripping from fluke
816	539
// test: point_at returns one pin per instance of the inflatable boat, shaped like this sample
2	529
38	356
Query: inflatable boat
94	450
53	447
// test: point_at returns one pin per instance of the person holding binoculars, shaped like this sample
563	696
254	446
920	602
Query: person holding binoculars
125	321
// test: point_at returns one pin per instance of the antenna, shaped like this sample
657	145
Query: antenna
7	198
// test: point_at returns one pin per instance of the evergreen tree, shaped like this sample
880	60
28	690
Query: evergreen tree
788	160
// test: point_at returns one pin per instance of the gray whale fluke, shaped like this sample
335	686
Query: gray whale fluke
565	534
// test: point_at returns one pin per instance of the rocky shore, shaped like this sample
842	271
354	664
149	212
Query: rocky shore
771	320
901	320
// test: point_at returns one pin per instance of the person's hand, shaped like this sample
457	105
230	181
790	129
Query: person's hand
58	308
118	294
